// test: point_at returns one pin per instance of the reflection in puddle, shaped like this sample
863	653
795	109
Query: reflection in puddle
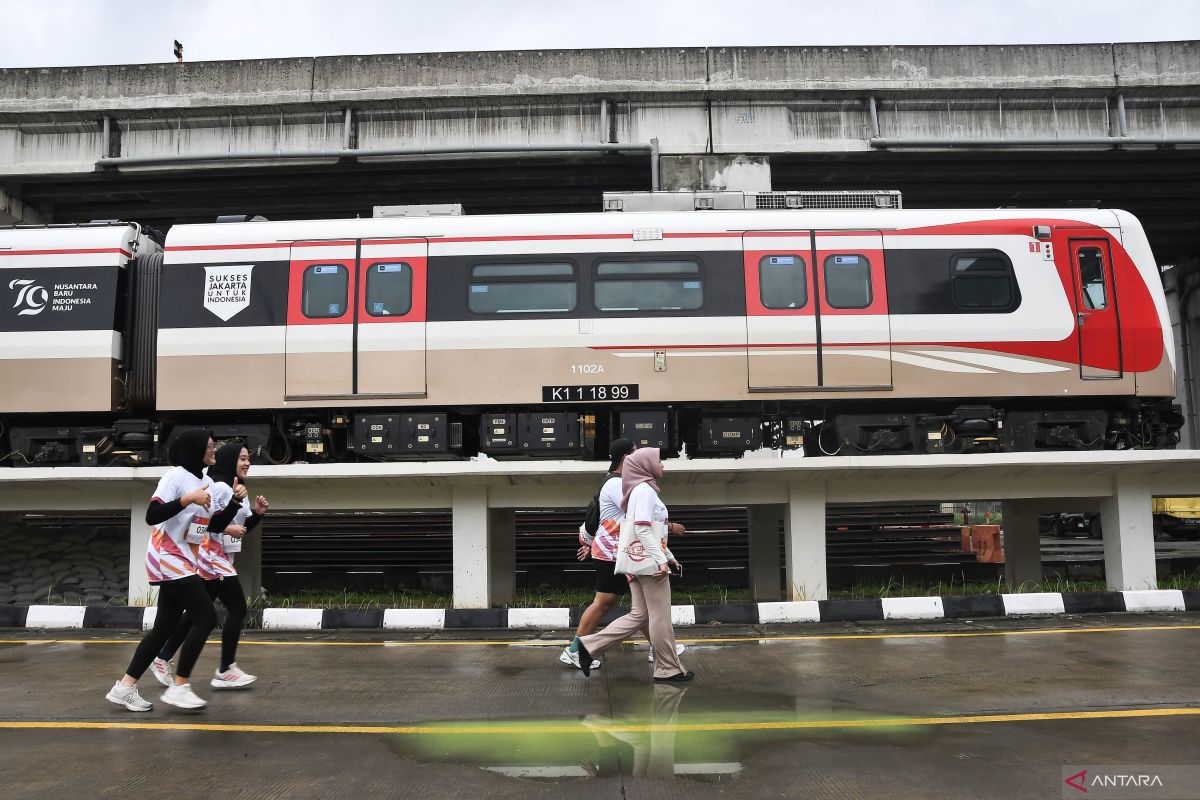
657	731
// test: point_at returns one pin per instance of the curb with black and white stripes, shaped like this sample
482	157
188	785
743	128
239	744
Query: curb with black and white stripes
905	608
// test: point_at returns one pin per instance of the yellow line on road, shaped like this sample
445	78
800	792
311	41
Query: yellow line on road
698	640
511	729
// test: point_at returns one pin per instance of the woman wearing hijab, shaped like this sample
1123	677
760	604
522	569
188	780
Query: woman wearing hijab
180	503
217	547
651	593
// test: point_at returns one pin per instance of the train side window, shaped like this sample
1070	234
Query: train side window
389	290
624	286
325	290
847	281
782	282
522	289
1091	278
982	281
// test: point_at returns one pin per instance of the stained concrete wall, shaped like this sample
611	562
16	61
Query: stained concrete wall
695	101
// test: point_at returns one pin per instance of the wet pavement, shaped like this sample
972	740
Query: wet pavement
952	709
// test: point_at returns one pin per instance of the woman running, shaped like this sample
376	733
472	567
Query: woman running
651	593
218	546
180	502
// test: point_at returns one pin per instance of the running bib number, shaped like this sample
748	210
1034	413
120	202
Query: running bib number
196	530
602	391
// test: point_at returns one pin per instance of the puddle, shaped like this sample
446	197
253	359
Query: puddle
659	731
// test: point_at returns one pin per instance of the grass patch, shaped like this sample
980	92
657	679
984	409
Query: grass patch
956	588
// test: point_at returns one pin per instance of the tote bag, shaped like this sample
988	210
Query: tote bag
632	556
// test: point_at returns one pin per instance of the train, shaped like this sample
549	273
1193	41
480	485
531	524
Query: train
712	324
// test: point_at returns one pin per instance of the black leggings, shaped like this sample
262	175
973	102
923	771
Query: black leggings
175	598
229	592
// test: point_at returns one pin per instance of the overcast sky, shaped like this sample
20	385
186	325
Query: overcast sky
55	33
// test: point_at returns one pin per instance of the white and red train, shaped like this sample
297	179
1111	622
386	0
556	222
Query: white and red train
851	331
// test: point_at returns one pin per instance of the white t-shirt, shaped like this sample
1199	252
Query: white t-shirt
610	499
645	506
231	544
168	555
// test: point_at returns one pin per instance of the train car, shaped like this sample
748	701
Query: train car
876	330
67	352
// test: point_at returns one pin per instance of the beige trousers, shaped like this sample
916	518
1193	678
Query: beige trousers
651	603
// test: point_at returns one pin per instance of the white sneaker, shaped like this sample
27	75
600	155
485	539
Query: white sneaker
182	697
572	659
232	678
164	671
127	696
679	648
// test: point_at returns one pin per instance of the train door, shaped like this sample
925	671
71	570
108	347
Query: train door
390	327
356	319
854	329
781	323
816	311
1098	327
319	343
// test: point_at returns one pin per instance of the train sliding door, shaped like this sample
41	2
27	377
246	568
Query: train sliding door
356	319
1096	310
855	334
390	327
782	345
816	310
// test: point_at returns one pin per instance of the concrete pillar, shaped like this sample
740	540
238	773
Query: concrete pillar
1128	523
141	593
14	212
765	524
804	541
472	547
1022	546
502	555
249	560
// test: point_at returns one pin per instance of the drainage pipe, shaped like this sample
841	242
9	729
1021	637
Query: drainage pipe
293	155
106	139
874	118
1107	141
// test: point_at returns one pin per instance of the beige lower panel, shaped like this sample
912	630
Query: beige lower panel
401	372
768	369
1158	382
49	385
319	373
196	383
516	377
914	381
846	369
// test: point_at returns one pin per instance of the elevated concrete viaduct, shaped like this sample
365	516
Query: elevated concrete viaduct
1115	125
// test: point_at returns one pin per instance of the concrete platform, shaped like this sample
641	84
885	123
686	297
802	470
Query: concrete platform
946	709
782	490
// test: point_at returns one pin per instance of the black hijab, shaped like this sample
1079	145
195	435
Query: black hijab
188	450
225	470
